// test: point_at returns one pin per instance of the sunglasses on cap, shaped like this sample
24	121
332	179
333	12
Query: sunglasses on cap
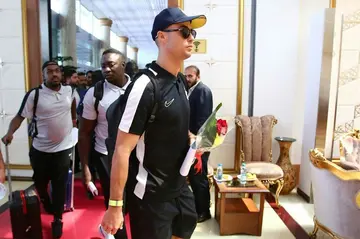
185	32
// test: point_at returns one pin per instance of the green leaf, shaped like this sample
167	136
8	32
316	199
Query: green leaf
208	130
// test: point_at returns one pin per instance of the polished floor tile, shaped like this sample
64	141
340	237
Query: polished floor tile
273	226
299	209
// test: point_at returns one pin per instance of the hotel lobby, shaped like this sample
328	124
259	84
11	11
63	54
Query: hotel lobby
287	71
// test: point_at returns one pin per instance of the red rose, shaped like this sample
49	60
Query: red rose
221	127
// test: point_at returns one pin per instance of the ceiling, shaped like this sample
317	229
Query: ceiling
131	18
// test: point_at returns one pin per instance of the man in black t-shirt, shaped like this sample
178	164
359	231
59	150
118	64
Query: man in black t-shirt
158	200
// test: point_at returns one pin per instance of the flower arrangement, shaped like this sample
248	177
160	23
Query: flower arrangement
210	136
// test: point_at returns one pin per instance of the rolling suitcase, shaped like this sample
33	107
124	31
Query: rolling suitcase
69	202
69	194
24	210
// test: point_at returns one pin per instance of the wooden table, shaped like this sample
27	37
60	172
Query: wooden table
239	215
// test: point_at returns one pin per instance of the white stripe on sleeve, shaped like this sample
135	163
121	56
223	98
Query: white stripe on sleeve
133	103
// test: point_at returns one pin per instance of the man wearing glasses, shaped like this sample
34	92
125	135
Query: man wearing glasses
158	200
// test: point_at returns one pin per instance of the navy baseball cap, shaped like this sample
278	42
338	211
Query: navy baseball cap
173	15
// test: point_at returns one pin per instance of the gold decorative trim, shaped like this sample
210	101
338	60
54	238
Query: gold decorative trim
240	74
318	160
241	32
20	166
105	22
181	4
332	3
357	200
25	38
123	39
317	226
25	44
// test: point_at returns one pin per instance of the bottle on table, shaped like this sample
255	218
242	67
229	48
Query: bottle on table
243	174
219	172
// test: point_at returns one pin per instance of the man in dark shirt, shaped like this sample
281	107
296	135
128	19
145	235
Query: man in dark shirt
201	106
160	204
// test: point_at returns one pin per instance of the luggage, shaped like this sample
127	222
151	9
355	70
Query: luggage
69	203
24	210
69	195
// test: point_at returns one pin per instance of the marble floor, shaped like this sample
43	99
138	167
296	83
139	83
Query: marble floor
273	225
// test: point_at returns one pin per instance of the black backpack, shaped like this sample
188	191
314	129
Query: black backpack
116	109
98	94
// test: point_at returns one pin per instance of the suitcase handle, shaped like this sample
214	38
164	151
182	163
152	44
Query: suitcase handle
7	163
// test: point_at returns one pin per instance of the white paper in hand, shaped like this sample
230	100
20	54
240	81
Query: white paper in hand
104	234
3	191
91	186
74	136
188	161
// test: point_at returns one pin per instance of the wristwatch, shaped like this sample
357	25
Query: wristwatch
115	203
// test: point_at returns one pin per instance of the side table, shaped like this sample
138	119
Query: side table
285	163
239	215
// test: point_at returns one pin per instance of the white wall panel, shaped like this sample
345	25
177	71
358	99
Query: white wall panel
10	4
12	29
12	80
11	49
219	66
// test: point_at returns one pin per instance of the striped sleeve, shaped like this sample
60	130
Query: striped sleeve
138	107
27	105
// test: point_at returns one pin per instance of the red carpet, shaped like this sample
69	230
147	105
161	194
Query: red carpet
81	223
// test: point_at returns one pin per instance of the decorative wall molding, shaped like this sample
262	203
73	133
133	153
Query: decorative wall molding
210	6
349	75
351	20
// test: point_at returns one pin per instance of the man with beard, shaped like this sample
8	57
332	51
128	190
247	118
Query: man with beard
93	121
158	200
201	106
50	154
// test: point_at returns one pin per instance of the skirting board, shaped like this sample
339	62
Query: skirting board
22	179
303	195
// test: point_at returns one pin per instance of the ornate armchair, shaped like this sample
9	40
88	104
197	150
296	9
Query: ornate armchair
256	150
336	197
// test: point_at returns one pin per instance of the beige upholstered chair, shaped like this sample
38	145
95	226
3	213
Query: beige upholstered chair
336	198
256	150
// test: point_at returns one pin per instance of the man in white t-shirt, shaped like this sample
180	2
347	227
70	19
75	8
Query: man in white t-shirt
94	120
50	153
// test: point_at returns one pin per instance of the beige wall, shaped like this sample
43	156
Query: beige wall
219	66
12	81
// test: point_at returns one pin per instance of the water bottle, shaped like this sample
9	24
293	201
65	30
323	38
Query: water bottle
219	172
243	174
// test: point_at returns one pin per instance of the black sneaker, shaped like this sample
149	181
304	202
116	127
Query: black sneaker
203	217
57	227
